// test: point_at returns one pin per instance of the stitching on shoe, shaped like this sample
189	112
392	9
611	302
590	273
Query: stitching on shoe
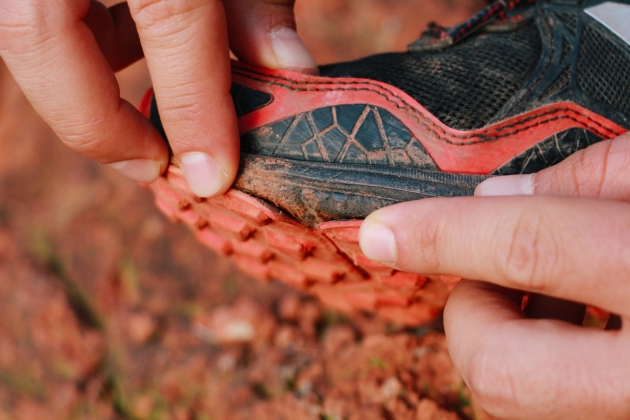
435	129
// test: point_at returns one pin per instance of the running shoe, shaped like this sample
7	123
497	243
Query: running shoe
515	89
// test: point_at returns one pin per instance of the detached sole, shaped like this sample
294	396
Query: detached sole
323	259
314	192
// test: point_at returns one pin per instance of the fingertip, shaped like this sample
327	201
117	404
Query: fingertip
289	50
263	33
395	235
378	242
206	178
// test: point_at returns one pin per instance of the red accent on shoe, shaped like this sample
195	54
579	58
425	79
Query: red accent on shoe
472	152
145	104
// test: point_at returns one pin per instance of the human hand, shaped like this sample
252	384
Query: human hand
566	251
64	53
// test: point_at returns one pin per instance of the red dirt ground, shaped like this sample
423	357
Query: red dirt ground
108	311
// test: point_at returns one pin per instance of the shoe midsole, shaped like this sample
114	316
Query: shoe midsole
315	192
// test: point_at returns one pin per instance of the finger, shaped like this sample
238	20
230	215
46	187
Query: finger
534	369
545	307
557	246
116	34
57	62
263	32
599	171
186	46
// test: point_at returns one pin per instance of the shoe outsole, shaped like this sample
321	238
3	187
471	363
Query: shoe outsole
306	250
326	261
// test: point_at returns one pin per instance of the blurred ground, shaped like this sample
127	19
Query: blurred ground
107	311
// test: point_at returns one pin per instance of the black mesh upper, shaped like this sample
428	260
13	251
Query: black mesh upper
561	83
464	85
570	21
567	49
247	100
603	70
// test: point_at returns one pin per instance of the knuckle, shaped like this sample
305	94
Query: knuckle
89	138
617	163
429	235
530	254
583	174
589	170
26	25
620	153
148	13
186	108
88	144
20	18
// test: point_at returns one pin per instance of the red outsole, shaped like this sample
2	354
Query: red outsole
326	261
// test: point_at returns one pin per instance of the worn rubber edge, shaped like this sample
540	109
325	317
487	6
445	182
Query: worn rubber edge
326	260
314	192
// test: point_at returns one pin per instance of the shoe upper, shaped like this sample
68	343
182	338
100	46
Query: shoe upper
465	85
517	88
537	54
547	52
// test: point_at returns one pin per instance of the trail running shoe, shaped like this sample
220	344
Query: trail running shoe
515	89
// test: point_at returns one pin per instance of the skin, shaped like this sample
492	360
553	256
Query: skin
64	53
568	246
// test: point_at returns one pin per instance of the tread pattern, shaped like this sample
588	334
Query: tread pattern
341	134
549	152
326	261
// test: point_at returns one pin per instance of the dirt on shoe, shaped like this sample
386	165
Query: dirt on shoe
109	311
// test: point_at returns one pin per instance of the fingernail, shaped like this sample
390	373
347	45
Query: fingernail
506	185
378	242
142	170
290	50
205	177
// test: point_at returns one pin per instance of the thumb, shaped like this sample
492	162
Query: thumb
263	32
599	171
